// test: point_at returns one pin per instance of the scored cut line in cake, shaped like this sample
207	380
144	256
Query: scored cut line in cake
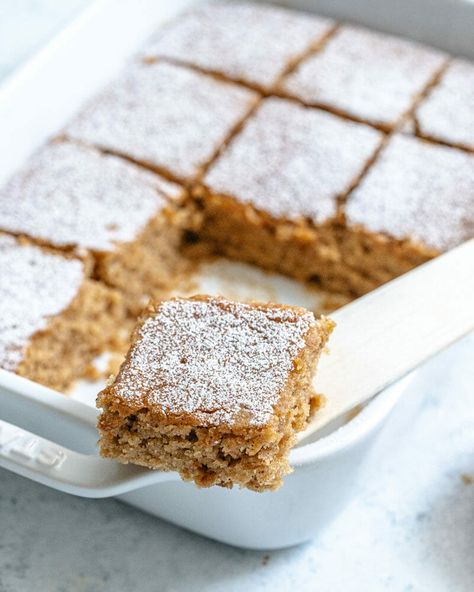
164	116
365	75
249	43
292	161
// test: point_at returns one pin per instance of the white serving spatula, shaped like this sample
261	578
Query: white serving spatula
378	339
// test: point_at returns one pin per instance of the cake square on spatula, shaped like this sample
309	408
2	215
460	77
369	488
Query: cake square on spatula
214	389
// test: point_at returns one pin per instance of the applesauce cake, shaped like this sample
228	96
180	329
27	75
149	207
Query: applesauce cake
70	196
271	198
416	202
446	115
366	76
250	43
164	116
214	389
54	319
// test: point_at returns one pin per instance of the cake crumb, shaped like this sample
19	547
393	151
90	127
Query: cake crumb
265	560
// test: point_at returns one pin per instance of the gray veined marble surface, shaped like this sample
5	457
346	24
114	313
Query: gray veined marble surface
409	528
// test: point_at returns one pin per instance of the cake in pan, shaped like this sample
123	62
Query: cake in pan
336	155
215	390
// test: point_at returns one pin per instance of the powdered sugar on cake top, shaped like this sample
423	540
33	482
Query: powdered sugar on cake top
447	114
293	162
213	359
247	42
366	75
71	195
418	191
35	285
164	115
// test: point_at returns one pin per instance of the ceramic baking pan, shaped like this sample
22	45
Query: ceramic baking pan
34	104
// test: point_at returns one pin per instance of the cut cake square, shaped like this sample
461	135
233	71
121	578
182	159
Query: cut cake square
72	197
446	115
214	389
54	319
416	202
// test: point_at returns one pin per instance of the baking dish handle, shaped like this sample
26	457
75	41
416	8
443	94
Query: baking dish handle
56	466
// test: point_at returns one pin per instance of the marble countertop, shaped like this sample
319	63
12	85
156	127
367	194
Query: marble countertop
409	527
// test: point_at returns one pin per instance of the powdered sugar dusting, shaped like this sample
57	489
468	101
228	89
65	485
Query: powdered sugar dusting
365	74
291	161
164	115
447	114
419	191
34	286
245	42
214	359
70	195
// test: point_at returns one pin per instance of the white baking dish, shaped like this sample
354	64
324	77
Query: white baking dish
35	104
